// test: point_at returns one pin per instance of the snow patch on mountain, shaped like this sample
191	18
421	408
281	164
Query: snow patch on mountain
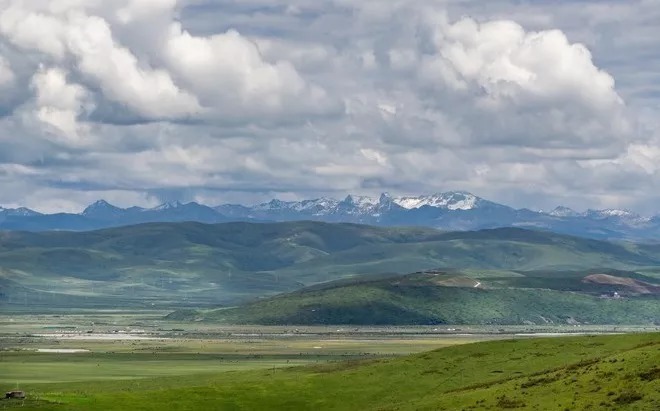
360	201
368	206
622	216
318	206
450	201
100	206
612	213
562	211
274	205
167	206
18	212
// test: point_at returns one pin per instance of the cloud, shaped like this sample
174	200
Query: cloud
58	104
140	9
227	71
533	89
531	104
162	72
32	31
6	73
148	92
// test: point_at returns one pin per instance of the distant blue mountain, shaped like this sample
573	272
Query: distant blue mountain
448	211
102	214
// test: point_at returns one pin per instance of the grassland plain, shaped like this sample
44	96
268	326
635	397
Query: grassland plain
194	264
86	346
568	373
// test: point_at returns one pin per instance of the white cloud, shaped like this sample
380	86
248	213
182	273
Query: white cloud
58	104
527	88
198	98
33	30
140	58
149	92
228	72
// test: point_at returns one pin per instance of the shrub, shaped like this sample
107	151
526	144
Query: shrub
628	397
505	402
651	375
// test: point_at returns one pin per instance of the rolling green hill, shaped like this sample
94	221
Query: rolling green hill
453	298
571	373
193	264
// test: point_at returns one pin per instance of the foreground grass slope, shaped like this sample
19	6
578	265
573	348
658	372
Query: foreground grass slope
575	373
450	298
200	264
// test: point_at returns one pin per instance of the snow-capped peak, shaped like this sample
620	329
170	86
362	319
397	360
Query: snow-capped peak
102	209
318	206
625	216
385	198
455	200
562	211
360	201
610	212
618	213
274	205
168	206
100	204
18	212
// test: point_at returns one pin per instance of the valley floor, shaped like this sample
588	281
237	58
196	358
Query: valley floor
136	361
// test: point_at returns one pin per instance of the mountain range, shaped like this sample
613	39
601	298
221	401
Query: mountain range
454	211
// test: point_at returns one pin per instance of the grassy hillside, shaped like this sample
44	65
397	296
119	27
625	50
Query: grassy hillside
453	298
197	264
574	373
172	263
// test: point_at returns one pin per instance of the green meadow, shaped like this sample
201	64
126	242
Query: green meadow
561	373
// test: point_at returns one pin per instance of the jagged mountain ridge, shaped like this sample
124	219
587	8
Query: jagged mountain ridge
456	210
362	205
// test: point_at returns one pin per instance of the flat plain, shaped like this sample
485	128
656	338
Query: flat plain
85	346
136	360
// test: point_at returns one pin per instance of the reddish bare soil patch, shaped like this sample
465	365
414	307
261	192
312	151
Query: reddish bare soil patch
632	285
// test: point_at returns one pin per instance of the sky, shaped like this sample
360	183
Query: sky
529	103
